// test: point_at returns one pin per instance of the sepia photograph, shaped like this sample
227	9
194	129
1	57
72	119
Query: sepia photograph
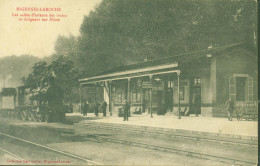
129	82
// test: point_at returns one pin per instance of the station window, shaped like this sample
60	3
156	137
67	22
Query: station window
241	88
119	97
147	95
136	96
170	84
196	81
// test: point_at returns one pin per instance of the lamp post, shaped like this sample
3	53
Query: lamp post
110	97
80	98
178	75
139	84
151	93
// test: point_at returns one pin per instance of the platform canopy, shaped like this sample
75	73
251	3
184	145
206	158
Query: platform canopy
153	67
133	71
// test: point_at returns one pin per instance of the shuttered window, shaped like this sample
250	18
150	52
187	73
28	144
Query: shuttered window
136	96
232	88
235	88
119	97
250	88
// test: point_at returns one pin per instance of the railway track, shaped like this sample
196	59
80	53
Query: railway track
101	139
176	135
62	153
14	156
199	155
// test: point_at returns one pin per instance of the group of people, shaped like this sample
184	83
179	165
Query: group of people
97	106
229	107
103	106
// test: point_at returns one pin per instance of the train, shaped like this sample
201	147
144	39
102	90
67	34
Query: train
43	103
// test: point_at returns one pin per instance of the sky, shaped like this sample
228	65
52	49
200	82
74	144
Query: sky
38	38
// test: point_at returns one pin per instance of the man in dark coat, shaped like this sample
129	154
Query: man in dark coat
96	108
126	110
85	108
104	108
197	104
71	108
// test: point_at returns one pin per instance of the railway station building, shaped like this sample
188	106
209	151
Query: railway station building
205	79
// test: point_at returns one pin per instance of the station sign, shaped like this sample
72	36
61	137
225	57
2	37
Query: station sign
147	85
158	85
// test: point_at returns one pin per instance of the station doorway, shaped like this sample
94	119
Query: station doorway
195	97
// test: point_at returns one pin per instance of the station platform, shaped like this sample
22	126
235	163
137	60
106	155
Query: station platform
187	124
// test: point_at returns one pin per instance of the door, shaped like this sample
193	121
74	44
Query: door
146	100
169	99
195	102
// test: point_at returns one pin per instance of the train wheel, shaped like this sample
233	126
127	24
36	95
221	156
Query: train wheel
38	117
42	118
19	116
34	117
46	118
24	116
30	117
11	115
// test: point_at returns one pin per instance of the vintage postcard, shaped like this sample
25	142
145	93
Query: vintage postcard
128	82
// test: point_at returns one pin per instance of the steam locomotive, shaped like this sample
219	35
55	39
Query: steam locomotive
44	103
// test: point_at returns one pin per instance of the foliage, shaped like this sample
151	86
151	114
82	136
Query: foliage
40	71
66	46
119	32
125	31
66	75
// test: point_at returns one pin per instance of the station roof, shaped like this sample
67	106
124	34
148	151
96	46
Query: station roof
152	67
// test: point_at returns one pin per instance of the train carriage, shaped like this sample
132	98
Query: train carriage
8	102
43	103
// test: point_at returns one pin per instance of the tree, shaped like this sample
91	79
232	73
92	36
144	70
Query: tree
66	46
125	31
40	71
67	75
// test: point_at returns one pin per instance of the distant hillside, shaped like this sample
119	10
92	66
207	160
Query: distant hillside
13	68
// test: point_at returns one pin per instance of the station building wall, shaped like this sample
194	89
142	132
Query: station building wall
203	69
214	73
235	63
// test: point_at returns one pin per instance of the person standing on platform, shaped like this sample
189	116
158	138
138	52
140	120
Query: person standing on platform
197	104
126	110
71	108
104	108
229	108
96	108
85	108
